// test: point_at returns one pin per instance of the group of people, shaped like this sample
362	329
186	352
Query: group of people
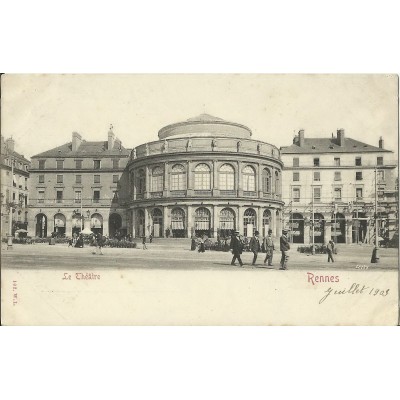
237	245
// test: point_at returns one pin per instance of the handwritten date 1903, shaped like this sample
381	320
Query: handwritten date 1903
356	288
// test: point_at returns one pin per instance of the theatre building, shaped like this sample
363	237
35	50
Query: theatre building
205	176
79	185
329	189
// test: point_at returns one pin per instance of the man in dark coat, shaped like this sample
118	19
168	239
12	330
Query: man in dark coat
285	247
255	246
237	247
330	249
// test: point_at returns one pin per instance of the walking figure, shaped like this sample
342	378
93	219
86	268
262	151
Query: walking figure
237	247
151	238
269	248
330	248
202	248
144	242
285	247
255	246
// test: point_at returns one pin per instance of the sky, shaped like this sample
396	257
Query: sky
41	111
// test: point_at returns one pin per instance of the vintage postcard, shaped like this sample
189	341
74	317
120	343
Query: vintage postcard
199	199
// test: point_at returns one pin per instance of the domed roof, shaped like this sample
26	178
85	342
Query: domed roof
204	118
205	125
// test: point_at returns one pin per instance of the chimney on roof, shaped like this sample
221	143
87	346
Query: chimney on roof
10	144
301	137
76	141
117	144
381	142
111	138
340	137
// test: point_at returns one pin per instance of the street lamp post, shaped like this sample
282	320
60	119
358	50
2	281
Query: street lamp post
375	254
9	236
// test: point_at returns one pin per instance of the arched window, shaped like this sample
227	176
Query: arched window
249	179
266	217
177	219
141	182
202	177
249	222
227	219
202	220
266	180
178	177
227	177
157	179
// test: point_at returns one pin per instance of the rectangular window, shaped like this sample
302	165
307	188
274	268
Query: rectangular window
96	196
317	176
60	178
296	176
317	194
96	164
379	160
78	164
78	196
157	183
115	163
338	176
296	162
96	178
359	193
41	178
60	164
338	194
358	161
13	195
26	183
380	175
296	195
358	176
202	181
115	178
41	196
42	164
316	162
178	181
78	178
59	196
337	161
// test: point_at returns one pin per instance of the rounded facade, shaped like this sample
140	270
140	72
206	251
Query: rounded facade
205	176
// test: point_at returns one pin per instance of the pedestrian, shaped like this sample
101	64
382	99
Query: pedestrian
193	244
151	238
269	248
330	249
236	247
144	242
285	247
255	246
202	248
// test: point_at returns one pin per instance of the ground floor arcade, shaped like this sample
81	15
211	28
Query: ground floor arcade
212	220
46	222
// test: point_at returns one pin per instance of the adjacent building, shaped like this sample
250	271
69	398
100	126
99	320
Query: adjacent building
329	189
80	185
205	176
14	188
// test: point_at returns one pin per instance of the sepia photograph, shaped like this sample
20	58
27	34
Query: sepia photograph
199	199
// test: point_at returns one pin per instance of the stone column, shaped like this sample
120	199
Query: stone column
133	223
106	217
147	222
189	220
166	180
189	174
147	194
349	229
260	221
215	220
215	182
240	215
166	220
68	223
50	224
240	181
259	182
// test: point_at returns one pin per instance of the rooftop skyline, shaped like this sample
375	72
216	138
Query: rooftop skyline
41	111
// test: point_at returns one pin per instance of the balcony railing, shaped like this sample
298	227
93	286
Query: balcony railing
178	193
228	192
249	193
156	195
202	192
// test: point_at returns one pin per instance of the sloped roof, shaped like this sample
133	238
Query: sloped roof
330	145
204	118
86	149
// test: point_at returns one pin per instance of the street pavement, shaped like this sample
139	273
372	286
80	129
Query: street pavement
176	254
